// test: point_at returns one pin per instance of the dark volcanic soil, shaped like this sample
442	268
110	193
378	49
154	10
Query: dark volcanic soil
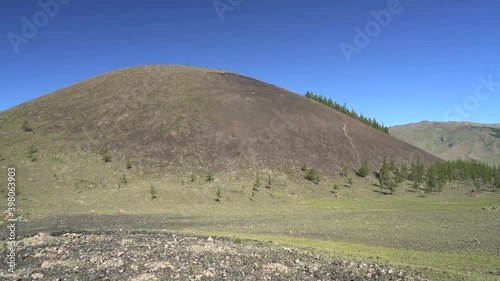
123	255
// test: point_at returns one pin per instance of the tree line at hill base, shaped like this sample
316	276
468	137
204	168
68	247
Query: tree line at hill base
433	178
343	108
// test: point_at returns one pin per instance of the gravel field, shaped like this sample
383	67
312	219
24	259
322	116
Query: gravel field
124	255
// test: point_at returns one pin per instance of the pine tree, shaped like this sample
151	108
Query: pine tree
385	179
417	174
364	170
431	179
402	173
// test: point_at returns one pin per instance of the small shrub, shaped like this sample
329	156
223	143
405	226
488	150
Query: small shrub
350	181
153	192
210	176
269	182
124	179
26	126
128	164
312	175
345	171
304	167
335	187
106	157
31	153
217	194
192	178
257	183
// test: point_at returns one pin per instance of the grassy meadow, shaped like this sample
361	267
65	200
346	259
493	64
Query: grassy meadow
452	235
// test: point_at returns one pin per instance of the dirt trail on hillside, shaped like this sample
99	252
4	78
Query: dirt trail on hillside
344	128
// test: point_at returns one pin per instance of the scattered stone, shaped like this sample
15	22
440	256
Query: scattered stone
37	276
45	264
143	256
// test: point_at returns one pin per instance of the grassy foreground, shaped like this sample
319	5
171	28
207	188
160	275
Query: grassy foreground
447	236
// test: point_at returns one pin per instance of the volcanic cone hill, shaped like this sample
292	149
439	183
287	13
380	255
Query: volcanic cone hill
192	118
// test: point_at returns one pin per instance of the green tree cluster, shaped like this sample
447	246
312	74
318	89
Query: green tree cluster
350	112
434	177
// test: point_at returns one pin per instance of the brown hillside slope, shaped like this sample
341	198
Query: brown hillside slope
186	117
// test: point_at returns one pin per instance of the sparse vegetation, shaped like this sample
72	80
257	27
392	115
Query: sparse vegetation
153	192
304	168
128	164
192	178
345	171
210	176
269	182
257	183
218	194
31	153
26	126
123	179
106	156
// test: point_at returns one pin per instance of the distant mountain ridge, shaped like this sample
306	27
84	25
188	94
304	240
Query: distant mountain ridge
453	140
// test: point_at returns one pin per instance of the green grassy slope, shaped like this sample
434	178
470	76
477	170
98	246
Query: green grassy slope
453	140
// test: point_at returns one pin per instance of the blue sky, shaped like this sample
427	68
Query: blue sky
422	63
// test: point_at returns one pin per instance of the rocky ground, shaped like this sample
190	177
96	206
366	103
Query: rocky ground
138	256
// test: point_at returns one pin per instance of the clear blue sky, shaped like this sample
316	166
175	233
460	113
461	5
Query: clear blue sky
419	65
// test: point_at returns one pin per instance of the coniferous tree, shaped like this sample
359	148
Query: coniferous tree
431	179
364	170
350	112
417	174
496	180
401	173
385	178
392	164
